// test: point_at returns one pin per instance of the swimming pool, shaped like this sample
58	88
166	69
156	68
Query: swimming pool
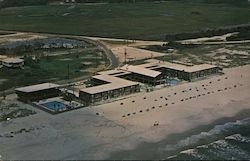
172	82
54	105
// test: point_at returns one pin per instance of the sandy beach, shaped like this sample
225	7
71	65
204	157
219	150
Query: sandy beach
123	124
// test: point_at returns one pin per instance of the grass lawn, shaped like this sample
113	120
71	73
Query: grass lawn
140	20
53	68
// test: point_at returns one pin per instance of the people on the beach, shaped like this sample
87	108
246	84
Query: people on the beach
198	90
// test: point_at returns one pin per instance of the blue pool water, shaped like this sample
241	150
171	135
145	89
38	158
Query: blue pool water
55	105
172	82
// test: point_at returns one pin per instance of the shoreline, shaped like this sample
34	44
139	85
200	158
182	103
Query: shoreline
142	149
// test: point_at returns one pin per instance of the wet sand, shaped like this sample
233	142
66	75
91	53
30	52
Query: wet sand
170	146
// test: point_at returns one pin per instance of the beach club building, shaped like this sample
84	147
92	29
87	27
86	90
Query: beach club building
111	88
125	80
180	71
38	92
13	63
143	75
122	81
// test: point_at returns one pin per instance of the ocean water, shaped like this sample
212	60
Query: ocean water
226	140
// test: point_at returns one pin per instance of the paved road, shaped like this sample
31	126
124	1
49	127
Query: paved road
135	42
216	42
95	40
113	60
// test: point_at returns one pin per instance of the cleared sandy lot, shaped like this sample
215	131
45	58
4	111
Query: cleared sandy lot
119	46
133	53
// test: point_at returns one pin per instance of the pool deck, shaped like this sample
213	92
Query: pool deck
73	105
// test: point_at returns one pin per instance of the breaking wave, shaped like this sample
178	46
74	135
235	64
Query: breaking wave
239	138
228	141
212	134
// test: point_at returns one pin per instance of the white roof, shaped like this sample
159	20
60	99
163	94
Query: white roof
13	60
38	87
114	72
2	57
141	70
114	83
111	79
200	67
179	67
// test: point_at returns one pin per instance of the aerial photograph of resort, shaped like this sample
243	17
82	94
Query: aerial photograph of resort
124	80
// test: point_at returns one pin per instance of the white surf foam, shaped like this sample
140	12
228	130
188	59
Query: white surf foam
193	152
202	147
189	151
222	148
172	157
239	138
218	129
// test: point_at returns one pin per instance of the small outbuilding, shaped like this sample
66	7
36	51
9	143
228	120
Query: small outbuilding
13	63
